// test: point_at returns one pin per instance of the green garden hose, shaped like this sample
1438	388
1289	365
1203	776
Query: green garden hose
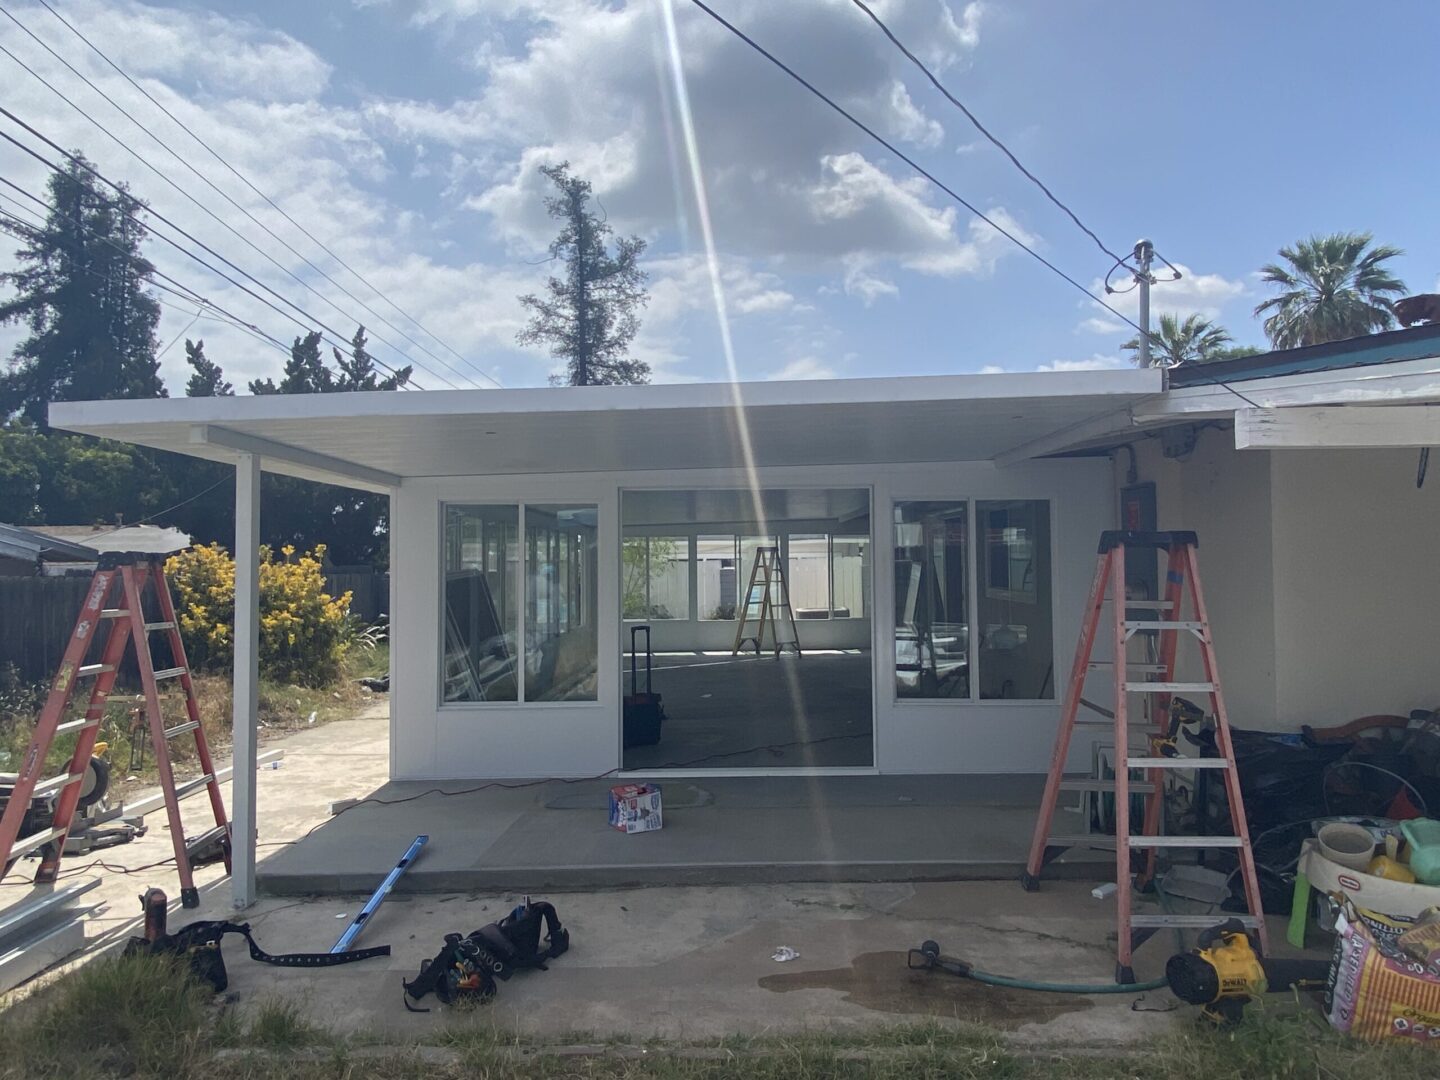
929	957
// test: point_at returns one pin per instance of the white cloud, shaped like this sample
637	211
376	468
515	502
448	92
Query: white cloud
859	281
1194	294
992	369
806	367
1098	362
1098	325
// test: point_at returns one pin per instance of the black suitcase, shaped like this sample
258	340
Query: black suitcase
643	711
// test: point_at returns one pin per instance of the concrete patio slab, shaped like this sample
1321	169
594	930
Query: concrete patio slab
718	831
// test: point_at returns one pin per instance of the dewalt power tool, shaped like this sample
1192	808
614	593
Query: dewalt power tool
1224	971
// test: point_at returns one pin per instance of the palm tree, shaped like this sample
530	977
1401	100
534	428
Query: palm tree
1334	287
1193	341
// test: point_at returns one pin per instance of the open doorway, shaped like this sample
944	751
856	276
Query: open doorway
711	573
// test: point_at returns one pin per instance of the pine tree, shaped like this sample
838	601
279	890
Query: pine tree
207	380
589	317
357	371
80	291
305	371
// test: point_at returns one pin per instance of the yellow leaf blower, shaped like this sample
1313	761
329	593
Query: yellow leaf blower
1223	972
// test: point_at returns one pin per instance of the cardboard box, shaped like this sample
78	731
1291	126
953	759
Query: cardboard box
635	807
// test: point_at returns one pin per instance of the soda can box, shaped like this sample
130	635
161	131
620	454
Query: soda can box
635	807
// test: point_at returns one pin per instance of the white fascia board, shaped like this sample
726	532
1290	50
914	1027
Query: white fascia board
306	463
1337	427
94	416
1114	422
1411	380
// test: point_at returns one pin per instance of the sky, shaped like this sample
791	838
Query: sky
407	137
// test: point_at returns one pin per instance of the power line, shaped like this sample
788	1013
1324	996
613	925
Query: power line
179	289
78	163
239	235
280	210
978	127
910	161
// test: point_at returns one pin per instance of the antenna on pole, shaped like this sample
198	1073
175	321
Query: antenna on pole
1144	252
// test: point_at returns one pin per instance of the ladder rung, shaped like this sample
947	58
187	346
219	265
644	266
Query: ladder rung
1081	840
30	843
114	613
169	673
1137	787
152	626
77	725
1163	624
1149	605
86	670
1149	669
1177	763
1189	922
181	790
1170	687
56	783
181	729
1109	725
1186	841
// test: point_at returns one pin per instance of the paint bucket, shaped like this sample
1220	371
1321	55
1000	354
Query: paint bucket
1348	845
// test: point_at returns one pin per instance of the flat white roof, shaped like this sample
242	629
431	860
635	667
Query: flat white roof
375	440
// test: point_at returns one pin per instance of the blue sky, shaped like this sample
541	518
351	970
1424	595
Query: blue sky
407	136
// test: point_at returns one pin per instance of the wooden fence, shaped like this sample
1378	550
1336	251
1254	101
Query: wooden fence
37	615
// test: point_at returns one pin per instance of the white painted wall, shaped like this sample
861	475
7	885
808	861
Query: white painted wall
1319	572
430	740
1357	585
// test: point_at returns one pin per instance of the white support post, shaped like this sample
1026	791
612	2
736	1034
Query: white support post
247	678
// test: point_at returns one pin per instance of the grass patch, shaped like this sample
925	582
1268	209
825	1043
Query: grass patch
280	1024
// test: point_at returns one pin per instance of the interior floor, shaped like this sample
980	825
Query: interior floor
724	712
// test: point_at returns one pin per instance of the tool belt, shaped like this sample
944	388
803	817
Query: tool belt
465	968
199	944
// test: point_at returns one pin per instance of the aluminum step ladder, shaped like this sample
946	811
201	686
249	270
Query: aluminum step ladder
53	801
767	606
1157	758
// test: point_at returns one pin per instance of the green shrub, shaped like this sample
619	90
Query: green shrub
303	632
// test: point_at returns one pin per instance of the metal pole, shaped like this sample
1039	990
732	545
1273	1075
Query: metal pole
247	678
1144	250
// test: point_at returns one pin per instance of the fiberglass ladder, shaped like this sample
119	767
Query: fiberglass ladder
767	603
1158	757
54	801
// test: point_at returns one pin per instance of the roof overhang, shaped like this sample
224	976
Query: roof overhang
375	441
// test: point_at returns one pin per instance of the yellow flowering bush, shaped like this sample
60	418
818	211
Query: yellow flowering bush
303	632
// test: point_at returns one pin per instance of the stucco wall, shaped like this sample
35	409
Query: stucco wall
1357	585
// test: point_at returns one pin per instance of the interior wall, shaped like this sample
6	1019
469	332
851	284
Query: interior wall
1357	585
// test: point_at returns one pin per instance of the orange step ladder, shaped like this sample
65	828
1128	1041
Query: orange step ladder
1158	757
53	801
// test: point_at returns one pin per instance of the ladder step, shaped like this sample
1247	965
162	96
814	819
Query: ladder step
169	673
1163	624
1109	725
1186	842
77	725
1189	922
1137	787
152	626
181	729
1081	840
57	783
191	786
1149	669
1150	605
86	670
1170	687
30	843
1177	763
114	613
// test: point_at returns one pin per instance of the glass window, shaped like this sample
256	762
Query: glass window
850	577
656	577
807	573
716	588
561	646
1016	658
481	603
932	624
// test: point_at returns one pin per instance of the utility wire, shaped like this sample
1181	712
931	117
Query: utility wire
174	288
335	334
978	127
280	210
909	161
78	163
